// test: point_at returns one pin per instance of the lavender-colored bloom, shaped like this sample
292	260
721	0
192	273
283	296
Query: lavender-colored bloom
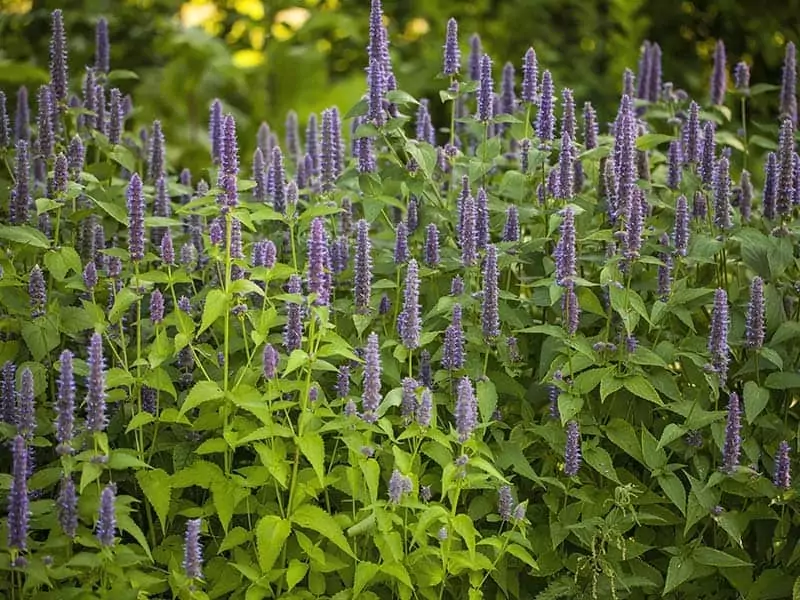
409	325
115	117
545	119
398	485
707	153
149	400
101	47
412	214
490	316
475	54
340	254
425	371
566	169
572	450
524	155
96	386
350	409
18	504
674	160
216	232
45	139
680	234
185	305
482	219
457	285
624	157
530	76
505	503
789	84
453	349
719	75
691	135
741	76
90	99
664	270
25	415
452	53
770	195
508	98
385	305
511	228
8	393
568	123
5	129
20	201
343	382
229	164
722	187
785	157
733	438
58	57
75	157
468	232
485	91
590	127
371	388
363	267
67	507
292	139
106	526
783	476
22	118
565	251
654	73
260	176
745	196
401	252
424	410
167	249
319	279
193	551
466	411
718	335
156	307
408	404
328	157
60	180
571	310
424	130
432	245
215	130
65	404
156	166
755	329
135	200
37	292
276	177
643	79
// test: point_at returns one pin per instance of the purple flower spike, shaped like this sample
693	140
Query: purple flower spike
96	386
319	279
371	388
508	98
505	503
733	437
432	245
229	164
654	73
674	160
482	219
293	330
785	186
453	349
102	62
106	527
457	285
401	252
718	335
741	76
783	476
745	195
722	190
116	117
5	129
719	75
424	130
18	504
468	232
215	130
22	118
193	550
156	166
572	450
75	157
590	127
260	176
276	181
691	135
58	57
343	382
452	53
475	53
530	76
167	249
25	416
680	236
8	393
409	324
37	292
490	316
408	404
156	307
571	310
65	404
45	139
566	169
771	177
363	267
511	228
425	409
136	234
789	84
20	201
755	329
399	484
313	145
292	139
545	119
643	78
466	412
328	158
485	91
565	252
67	507
568	123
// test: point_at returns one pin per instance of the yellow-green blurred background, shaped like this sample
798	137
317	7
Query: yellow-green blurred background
264	57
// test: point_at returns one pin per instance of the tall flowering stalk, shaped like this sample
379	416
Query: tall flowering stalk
486	91
453	349
67	507
789	84
545	119
96	386
19	204
18	504
565	252
371	387
733	437
319	278
363	267
722	190
680	235
432	245
783	476
572	450
193	550
229	164
215	130
718	335
409	324
451	60
65	404
755	326
106	527
719	75
58	58
785	186
136	233
293	329
466	411
530	77
490	316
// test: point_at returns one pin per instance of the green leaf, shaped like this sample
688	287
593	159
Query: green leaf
122	302
487	399
157	488
679	571
783	381
139	420
125	158
671	433
463	525
215	306
127	524
600	460
649	141
121	75
716	558
271	534
673	488
609	384
755	400
641	387
41	336
296	360
24	235
313	448
521	553
226	495
203	391
622	434
365	573
569	406
586	381
295	573
654	457
235	538
114	211
316	519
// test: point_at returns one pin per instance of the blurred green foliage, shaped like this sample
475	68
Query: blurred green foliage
264	57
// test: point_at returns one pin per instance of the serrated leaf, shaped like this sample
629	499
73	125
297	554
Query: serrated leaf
316	519
203	391
649	141
271	534
673	488
463	526
679	571
600	460
365	573
215	306
782	381
521	553
716	558
641	387
157	488
313	448
24	235
487	399
755	400
295	573
569	406
122	302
